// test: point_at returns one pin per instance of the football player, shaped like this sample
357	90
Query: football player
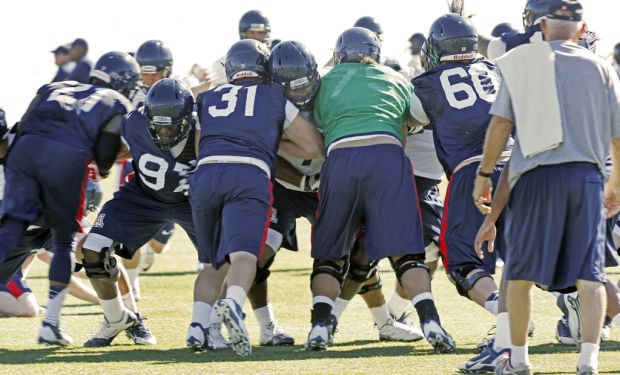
73	124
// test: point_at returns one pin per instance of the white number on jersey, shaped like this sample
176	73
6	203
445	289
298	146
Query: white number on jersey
155	168
484	86
231	101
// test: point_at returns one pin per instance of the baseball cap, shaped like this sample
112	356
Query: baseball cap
567	10
61	49
79	42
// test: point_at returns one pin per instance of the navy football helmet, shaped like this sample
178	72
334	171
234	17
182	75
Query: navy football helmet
293	66
451	38
168	110
116	70
247	58
254	20
356	43
417	40
534	9
502	28
154	56
371	24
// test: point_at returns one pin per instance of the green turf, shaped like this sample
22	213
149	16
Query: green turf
167	302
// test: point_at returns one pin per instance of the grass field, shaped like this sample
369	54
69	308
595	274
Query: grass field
167	302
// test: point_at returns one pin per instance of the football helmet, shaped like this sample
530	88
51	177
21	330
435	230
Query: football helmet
451	38
534	9
617	53
371	24
293	66
117	71
502	28
247	58
254	20
417	40
356	43
154	56
168	110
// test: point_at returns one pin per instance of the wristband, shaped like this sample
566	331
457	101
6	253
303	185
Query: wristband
484	174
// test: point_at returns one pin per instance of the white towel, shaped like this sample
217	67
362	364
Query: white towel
529	72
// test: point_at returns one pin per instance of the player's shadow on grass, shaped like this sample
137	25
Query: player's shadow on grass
131	353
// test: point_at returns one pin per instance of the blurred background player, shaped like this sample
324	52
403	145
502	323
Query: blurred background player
63	62
83	65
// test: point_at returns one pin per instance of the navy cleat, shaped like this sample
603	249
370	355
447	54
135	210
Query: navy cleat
232	316
50	334
320	337
441	341
486	361
109	331
273	335
197	337
569	304
139	333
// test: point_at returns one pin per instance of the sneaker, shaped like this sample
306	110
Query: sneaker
486	361
396	331
216	339
320	337
50	334
139	333
530	329
109	331
484	344
569	304
586	370
197	337
441	341
606	331
273	335
562	333
230	312
503	367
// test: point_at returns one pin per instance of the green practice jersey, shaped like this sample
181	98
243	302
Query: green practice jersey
358	99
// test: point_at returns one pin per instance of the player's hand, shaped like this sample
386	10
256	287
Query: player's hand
183	186
611	199
482	194
187	171
486	233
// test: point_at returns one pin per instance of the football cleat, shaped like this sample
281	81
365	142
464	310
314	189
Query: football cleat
147	258
231	314
216	339
606	331
441	341
562	333
139	333
503	367
273	335
569	304
484	362
109	331
320	337
50	334
586	370
197	337
396	331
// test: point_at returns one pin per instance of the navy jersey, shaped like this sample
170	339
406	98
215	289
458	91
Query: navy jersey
512	40
74	113
157	170
242	120
457	98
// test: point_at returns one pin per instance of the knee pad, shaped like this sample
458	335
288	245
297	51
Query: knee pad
262	273
329	267
105	268
407	262
463	283
369	288
360	272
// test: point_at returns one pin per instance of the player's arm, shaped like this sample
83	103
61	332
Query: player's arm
417	115
303	135
108	145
